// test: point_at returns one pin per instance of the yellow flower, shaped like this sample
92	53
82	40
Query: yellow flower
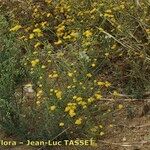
27	29
59	94
31	36
15	28
72	113
61	124
67	37
87	33
102	133
74	80
93	129
60	54
43	24
22	37
52	108
84	107
109	110
51	90
120	106
78	121
37	44
49	61
111	126
38	102
89	75
55	75
74	97
60	29
35	10
58	42
115	93
70	74
67	109
43	66
34	62
114	46
98	96
74	34
79	99
107	84
50	75
39	93
37	30
82	103
40	85
69	87
100	83
49	14
90	100
108	15
147	31
108	11
106	54
95	81
56	91
40	34
93	65
34	53
122	6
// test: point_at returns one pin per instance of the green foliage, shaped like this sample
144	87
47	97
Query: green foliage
56	60
11	76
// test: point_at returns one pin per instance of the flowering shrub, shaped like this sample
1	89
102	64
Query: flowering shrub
116	35
74	56
66	93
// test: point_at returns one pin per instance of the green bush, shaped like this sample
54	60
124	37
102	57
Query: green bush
11	76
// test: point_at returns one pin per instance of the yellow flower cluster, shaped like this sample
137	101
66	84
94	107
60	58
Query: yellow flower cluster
54	74
88	33
98	96
52	108
107	84
78	121
38	32
58	94
15	28
71	107
65	52
108	13
80	101
61	124
39	94
34	62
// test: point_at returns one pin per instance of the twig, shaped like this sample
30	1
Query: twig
132	126
118	41
125	144
128	99
142	126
